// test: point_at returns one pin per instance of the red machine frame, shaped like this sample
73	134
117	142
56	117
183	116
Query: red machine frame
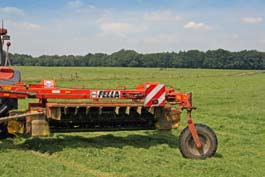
47	90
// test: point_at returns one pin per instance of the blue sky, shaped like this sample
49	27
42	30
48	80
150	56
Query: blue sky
82	26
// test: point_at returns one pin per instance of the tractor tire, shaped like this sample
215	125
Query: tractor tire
207	137
3	131
6	104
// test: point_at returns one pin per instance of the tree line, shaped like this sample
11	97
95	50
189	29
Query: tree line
215	59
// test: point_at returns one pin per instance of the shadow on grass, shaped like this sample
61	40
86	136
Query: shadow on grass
58	143
218	155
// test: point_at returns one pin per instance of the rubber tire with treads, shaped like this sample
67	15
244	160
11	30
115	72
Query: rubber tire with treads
6	104
207	137
3	131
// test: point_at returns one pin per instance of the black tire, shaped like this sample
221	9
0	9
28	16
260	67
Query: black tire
207	137
6	104
3	131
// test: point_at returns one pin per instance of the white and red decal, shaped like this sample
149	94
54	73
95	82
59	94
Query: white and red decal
155	95
48	83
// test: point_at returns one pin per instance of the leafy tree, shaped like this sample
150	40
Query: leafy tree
220	58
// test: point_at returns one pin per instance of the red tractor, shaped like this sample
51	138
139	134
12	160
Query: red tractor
151	105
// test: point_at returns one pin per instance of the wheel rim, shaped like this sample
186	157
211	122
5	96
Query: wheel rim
205	141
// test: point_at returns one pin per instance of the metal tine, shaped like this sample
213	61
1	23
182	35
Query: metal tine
139	110
128	108
151	110
76	110
65	110
117	110
100	110
87	109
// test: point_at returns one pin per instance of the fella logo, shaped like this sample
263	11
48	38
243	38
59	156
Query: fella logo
108	94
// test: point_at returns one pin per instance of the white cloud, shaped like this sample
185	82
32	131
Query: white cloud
78	6
24	26
161	16
195	25
74	4
120	28
160	39
32	26
235	36
11	11
251	20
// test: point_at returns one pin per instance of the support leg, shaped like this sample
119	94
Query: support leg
193	131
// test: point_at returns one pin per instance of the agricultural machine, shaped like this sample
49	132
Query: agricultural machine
151	105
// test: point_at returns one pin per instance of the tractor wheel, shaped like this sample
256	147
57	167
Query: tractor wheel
3	131
207	137
6	104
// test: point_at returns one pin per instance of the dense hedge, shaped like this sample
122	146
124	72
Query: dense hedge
221	59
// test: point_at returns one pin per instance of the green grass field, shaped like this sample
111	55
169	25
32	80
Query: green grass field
231	102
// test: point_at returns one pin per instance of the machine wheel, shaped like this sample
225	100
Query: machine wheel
207	137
